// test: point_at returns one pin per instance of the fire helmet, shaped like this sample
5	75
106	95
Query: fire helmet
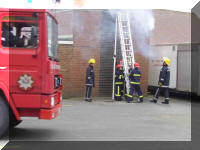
136	65
166	60
118	66
92	61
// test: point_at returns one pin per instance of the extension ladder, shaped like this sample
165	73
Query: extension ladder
126	45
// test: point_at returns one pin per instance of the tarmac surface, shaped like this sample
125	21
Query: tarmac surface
106	120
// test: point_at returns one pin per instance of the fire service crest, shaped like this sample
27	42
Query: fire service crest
25	82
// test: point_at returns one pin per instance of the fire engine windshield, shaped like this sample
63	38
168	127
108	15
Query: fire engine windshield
19	32
52	32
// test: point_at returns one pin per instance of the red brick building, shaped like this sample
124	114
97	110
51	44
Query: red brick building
91	34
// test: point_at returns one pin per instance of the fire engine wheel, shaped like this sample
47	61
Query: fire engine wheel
4	116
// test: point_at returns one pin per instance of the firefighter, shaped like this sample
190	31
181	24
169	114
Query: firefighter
119	82
90	78
135	77
123	85
163	82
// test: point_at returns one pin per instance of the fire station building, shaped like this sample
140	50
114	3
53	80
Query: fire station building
91	33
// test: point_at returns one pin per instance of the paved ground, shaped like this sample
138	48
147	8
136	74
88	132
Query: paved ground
104	119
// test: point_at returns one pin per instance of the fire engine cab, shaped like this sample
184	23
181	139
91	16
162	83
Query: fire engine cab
30	78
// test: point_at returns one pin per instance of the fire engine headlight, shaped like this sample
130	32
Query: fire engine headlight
52	101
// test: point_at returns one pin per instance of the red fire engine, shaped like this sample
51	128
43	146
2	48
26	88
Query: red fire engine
30	79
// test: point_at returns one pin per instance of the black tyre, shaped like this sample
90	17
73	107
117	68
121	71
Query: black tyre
4	116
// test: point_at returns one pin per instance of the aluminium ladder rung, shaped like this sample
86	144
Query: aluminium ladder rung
125	33
127	50
129	56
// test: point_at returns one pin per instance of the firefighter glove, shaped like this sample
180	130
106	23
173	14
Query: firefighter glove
160	83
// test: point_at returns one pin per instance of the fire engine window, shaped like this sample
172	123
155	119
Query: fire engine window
19	34
52	33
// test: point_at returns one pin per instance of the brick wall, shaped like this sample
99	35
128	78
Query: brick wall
74	58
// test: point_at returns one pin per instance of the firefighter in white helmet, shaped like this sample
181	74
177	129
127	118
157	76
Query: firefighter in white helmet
90	79
164	79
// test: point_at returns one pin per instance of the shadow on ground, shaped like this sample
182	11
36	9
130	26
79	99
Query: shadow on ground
30	133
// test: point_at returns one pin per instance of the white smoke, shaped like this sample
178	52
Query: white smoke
142	24
144	18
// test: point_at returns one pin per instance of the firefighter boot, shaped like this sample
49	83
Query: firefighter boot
90	100
129	101
153	101
87	99
140	100
166	102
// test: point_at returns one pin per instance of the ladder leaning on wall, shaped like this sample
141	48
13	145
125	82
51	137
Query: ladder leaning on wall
127	51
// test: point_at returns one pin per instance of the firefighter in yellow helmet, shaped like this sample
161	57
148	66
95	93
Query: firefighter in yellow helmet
164	79
90	79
